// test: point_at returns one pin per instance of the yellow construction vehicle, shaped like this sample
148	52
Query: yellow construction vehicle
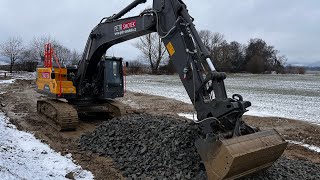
53	79
56	81
230	148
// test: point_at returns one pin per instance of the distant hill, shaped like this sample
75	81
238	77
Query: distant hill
313	64
313	68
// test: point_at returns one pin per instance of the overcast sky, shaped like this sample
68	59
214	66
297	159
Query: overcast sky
292	26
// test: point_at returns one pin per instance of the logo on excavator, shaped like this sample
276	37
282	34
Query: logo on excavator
125	28
45	75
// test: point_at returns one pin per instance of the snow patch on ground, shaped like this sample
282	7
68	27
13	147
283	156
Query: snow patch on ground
10	81
188	116
308	146
286	96
130	103
316	124
21	75
254	112
24	75
24	157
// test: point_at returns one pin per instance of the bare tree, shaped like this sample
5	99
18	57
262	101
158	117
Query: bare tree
63	53
153	50
212	40
37	46
217	39
12	49
75	57
206	37
236	56
137	67
216	45
27	61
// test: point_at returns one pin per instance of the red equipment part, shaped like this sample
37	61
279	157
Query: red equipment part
48	55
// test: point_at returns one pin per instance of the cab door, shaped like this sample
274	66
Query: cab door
113	75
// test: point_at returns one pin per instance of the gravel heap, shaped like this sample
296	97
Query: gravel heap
145	146
286	168
160	147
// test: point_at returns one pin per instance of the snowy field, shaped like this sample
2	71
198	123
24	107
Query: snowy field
19	75
22	156
288	96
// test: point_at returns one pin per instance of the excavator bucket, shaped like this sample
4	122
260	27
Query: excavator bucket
240	156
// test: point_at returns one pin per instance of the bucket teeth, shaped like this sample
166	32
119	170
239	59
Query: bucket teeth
240	156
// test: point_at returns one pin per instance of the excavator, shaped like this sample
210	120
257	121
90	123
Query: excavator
229	148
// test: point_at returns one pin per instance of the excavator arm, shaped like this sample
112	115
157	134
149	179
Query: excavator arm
170	19
229	147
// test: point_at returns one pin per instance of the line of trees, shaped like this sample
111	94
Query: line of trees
255	57
33	53
153	52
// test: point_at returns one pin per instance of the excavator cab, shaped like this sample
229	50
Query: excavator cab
113	84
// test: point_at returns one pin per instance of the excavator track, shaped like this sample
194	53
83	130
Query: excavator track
120	109
63	116
111	108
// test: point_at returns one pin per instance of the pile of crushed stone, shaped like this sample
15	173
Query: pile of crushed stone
145	146
160	147
286	168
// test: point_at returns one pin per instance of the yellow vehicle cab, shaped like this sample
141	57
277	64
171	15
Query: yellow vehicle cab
52	79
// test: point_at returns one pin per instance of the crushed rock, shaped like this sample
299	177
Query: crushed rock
160	147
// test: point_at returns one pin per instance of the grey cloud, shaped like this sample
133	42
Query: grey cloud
292	26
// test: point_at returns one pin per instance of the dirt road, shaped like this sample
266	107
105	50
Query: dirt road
20	106
19	103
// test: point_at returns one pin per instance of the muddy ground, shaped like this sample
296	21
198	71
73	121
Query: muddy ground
19	103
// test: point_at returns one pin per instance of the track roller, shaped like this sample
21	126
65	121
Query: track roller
63	116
